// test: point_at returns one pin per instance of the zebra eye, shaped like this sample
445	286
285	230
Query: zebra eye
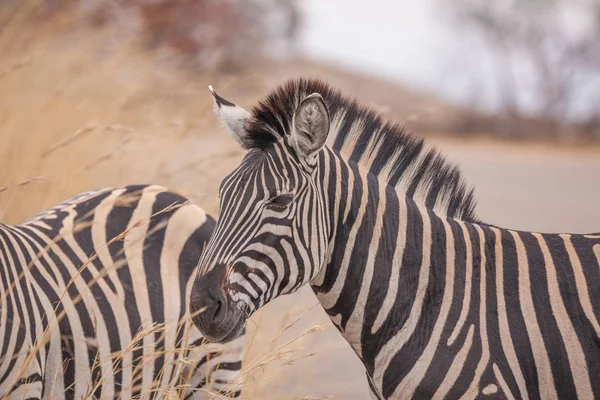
281	201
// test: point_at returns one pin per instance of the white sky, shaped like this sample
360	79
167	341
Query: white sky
412	42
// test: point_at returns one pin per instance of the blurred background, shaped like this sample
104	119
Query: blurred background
98	93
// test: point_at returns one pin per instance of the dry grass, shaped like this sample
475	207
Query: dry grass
88	110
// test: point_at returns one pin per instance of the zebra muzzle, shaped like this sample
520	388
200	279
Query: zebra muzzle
211	309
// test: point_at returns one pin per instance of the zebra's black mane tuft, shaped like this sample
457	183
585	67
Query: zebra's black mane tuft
363	136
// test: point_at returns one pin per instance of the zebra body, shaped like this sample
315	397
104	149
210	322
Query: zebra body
435	303
470	310
94	299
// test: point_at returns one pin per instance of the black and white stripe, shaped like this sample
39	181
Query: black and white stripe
94	301
436	303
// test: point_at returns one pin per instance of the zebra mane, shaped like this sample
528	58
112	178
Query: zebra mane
361	134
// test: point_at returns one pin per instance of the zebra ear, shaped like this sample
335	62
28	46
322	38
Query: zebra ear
310	125
234	117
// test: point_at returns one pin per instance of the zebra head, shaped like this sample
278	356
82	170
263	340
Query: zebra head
272	233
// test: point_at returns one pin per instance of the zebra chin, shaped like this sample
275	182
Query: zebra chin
230	330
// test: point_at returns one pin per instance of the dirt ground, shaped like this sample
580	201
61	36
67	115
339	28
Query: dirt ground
73	118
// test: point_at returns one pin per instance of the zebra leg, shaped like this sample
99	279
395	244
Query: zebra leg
214	368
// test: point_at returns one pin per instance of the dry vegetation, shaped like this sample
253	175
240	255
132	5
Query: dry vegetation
84	109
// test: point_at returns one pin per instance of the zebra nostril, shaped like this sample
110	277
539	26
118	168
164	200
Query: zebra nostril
218	308
210	307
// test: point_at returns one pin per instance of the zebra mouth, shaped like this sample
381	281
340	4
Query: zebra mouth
236	331
234	326
230	327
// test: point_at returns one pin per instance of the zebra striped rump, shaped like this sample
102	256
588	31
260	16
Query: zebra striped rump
94	301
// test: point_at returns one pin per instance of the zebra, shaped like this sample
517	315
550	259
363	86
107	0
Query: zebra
94	299
435	302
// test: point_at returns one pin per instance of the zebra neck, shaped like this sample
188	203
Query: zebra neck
383	262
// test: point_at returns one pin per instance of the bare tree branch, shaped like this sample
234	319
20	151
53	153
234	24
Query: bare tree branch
554	39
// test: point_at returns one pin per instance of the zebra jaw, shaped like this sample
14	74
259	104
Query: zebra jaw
233	116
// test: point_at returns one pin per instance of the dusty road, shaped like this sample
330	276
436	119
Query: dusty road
526	187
